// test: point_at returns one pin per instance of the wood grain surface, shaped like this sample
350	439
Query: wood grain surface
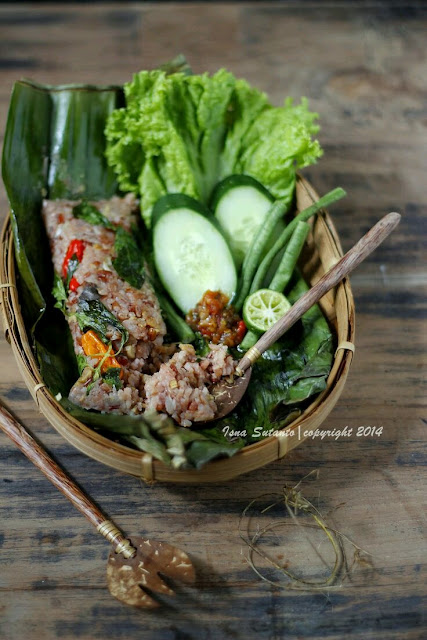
364	69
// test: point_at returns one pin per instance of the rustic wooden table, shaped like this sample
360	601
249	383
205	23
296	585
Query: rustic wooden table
364	70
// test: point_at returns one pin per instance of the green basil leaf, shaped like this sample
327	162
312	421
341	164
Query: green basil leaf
94	315
89	213
81	362
200	345
129	262
59	293
112	377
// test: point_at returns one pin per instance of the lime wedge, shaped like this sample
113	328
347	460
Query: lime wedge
263	308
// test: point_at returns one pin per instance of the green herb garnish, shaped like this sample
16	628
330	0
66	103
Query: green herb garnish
59	293
81	362
89	213
112	377
200	345
129	263
92	314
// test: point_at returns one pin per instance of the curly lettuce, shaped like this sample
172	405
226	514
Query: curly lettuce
181	133
278	142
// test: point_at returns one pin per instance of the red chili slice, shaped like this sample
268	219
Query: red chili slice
76	247
74	284
241	330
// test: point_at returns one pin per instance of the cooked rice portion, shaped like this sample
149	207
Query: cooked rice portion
107	399
137	309
127	400
62	226
177	387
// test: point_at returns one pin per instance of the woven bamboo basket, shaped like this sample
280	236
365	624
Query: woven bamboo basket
322	251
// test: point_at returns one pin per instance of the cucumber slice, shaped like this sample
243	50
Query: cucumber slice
240	204
190	251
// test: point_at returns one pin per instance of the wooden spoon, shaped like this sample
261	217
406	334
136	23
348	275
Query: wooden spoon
134	564
227	395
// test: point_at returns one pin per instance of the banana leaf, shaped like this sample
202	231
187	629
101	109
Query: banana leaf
55	148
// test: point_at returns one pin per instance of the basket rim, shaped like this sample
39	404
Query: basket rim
9	304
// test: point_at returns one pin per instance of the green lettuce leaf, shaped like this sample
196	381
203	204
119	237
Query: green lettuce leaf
246	105
183	133
278	142
170	135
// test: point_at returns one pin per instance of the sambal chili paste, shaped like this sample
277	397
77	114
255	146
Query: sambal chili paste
216	321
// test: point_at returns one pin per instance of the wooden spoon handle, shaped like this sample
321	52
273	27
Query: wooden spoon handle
41	459
368	243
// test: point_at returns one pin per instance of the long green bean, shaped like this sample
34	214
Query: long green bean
283	272
276	212
290	257
329	198
249	340
178	325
